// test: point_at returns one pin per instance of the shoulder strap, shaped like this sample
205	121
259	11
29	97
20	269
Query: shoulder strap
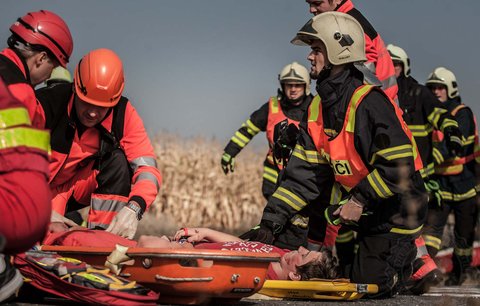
119	118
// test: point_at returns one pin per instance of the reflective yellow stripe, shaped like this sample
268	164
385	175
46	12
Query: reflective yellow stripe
448	122
251	128
432	241
435	115
289	198
394	153
353	105
330	132
379	185
437	155
454	197
274	105
406	231
25	137
310	156
314	109
14	116
270	174
336	194
420	130
428	170
240	139
345	237
470	140
463	252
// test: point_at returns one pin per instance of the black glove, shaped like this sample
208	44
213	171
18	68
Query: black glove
264	232
453	139
228	163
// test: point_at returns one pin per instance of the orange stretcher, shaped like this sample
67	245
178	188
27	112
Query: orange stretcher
184	276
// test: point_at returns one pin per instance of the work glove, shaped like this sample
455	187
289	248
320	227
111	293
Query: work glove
228	163
125	223
56	217
264	232
433	188
453	139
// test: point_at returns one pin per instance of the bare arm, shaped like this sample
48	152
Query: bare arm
197	234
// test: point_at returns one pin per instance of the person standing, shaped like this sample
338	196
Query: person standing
457	178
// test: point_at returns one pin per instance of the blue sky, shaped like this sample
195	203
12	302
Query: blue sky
201	67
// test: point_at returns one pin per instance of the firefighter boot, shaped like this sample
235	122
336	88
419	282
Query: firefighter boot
458	274
426	274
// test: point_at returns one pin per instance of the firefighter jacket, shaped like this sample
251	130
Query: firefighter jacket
456	175
378	58
24	193
423	113
122	123
15	73
383	156
265	119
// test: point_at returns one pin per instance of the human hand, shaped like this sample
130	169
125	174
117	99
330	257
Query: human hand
56	217
193	235
228	163
124	224
350	211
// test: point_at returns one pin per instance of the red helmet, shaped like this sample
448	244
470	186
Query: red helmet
99	78
48	30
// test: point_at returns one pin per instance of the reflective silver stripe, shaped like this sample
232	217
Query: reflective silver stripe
148	176
106	205
270	174
435	115
336	195
370	66
143	161
463	252
391	81
289	198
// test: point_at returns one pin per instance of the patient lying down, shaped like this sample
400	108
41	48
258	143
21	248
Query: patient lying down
300	264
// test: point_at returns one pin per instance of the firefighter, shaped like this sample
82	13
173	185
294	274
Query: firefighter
423	114
456	177
59	75
40	41
287	107
378	59
101	154
25	206
354	134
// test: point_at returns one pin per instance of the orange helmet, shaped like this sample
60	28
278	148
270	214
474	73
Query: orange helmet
48	30
99	78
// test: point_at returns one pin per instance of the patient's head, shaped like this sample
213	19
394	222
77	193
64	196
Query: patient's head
303	264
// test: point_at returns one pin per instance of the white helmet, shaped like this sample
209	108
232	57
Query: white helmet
342	35
295	73
399	55
444	77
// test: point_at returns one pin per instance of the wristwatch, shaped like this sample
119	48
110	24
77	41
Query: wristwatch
136	208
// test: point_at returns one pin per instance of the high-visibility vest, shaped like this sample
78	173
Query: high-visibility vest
348	166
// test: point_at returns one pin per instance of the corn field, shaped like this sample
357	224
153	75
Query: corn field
196	192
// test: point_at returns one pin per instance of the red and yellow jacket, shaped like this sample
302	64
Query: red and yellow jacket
15	74
123	121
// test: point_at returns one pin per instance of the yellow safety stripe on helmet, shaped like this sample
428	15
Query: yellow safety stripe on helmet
345	237
428	170
310	156
270	174
25	137
455	197
240	139
377	183
435	115
437	156
392	153
274	105
314	109
403	231
289	198
353	106
448	122
336	194
463	252
432	241
14	116
420	130
251	128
